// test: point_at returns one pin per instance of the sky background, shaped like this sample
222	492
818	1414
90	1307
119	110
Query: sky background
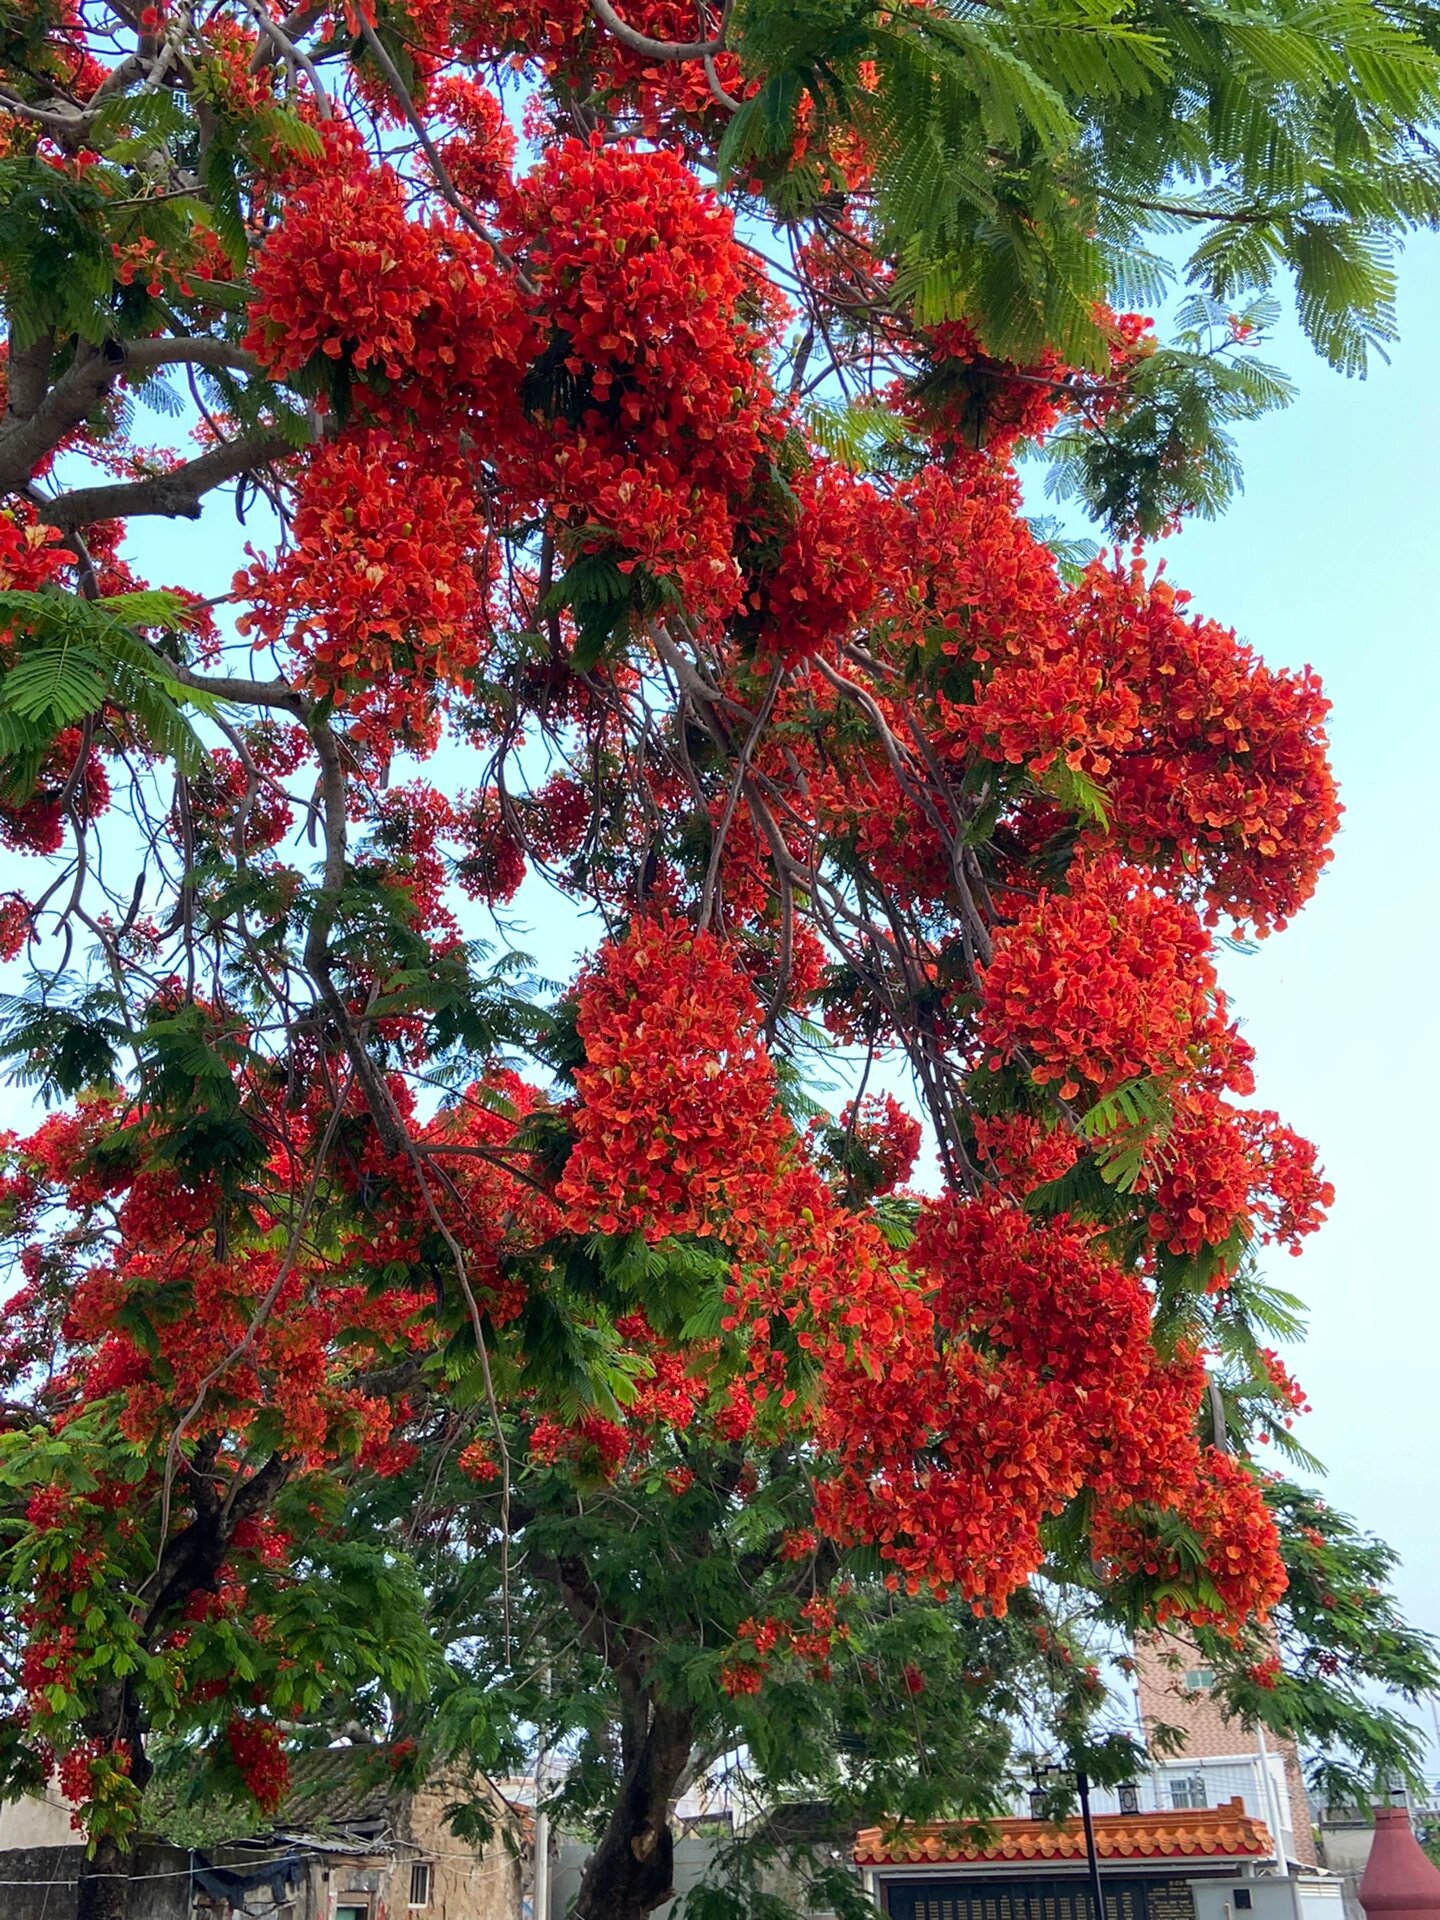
1330	560
1327	560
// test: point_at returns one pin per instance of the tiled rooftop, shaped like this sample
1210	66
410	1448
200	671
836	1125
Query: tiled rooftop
1217	1833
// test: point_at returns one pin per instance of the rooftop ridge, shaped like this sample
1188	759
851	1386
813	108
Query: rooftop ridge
1223	1832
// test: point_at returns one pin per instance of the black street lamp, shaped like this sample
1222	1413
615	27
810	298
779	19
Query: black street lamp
1047	1779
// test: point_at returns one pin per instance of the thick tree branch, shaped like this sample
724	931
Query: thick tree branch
143	356
296	23
41	416
295	57
29	372
642	43
25	439
192	1559
570	1578
176	495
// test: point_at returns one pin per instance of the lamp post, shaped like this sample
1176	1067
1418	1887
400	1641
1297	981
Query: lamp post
1082	1787
1076	1777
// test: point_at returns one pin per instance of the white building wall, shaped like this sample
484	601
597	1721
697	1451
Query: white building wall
37	1822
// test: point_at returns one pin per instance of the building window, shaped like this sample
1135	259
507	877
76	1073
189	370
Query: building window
1189	1793
1199	1679
420	1883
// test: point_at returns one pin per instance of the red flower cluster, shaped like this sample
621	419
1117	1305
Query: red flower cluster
1213	765
988	404
72	769
30	554
677	1130
565	38
1107	982
1241	1574
1224	771
826	580
887	1136
759	1642
16	922
972	402
1042	1380
257	1750
1224	1166
657	406
1286	1388
420	315
480	155
382	596
492	866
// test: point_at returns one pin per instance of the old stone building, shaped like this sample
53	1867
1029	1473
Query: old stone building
352	1841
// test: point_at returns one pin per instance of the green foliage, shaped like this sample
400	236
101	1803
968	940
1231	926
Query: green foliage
195	1120
1129	1126
600	597
62	1046
349	1619
1249	1313
221	172
474	1014
1082	1191
858	435
1167	452
235	145
1071	556
575	1292
1345	1646
1076	792
72	658
1024	154
172	1807
58	268
24	38
59	231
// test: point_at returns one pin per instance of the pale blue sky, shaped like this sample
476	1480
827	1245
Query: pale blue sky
1327	560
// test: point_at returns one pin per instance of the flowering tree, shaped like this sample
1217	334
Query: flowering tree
625	413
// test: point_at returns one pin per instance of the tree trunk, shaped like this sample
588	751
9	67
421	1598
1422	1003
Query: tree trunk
631	1872
104	1890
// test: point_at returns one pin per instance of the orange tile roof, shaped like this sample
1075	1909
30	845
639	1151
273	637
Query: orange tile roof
1218	1833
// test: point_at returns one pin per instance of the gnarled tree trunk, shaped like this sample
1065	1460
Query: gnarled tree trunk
105	1883
632	1871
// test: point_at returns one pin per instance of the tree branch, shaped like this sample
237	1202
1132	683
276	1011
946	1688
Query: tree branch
176	495
39	420
659	49
26	439
193	1558
30	375
143	356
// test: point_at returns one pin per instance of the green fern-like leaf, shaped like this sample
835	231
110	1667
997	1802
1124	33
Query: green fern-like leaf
72	656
